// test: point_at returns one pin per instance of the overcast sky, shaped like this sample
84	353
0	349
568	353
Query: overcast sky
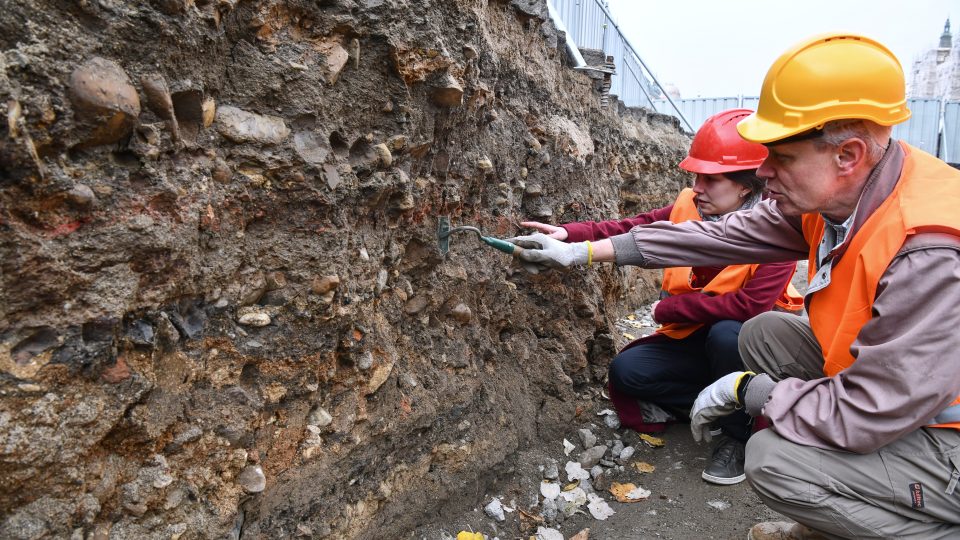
717	48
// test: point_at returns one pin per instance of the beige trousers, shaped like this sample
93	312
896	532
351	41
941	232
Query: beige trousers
907	489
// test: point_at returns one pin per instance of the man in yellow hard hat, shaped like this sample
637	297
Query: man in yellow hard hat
862	395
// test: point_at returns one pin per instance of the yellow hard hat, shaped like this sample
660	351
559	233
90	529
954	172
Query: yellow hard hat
828	77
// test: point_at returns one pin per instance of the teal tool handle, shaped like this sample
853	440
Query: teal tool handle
502	245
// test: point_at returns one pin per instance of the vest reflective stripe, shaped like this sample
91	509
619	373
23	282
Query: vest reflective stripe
925	199
678	280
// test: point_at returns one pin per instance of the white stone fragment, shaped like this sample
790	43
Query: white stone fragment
494	509
567	447
571	501
549	490
718	505
546	533
599	508
575	471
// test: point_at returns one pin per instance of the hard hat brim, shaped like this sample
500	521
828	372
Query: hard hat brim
699	166
755	129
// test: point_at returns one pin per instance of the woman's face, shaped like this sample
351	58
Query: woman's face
717	194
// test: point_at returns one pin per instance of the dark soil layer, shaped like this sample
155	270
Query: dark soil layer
224	312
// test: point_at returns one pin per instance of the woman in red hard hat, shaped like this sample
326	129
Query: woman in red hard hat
656	379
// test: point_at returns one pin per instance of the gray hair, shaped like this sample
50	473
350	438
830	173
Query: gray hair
875	136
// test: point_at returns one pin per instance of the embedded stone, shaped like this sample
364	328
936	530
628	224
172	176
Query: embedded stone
312	148
461	313
252	479
241	126
336	59
484	164
416	304
447	92
325	284
105	100
209	111
319	417
253	318
384	157
397	143
159	101
365	361
81	196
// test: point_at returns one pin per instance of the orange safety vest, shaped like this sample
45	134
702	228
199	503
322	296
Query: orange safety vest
677	280
925	199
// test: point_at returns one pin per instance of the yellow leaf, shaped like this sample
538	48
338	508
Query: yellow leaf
621	492
571	485
653	442
644	467
632	317
466	535
628	336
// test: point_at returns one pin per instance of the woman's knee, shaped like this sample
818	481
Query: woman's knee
724	334
626	376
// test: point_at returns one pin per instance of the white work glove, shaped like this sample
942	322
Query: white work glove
550	230
541	252
714	402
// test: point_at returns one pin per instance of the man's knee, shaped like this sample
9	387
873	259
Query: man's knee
770	464
755	336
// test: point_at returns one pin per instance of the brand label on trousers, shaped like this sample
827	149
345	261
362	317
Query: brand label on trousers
916	494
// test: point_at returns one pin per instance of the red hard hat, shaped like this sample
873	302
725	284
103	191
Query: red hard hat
718	147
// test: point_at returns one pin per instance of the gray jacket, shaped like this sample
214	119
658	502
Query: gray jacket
908	355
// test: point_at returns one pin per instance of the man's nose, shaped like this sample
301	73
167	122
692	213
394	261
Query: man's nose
766	171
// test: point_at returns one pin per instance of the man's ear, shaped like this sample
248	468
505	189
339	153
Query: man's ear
851	154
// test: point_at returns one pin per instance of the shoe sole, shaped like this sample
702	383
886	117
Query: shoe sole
723	481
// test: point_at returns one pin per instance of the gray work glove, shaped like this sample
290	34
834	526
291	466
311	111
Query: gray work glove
716	401
541	252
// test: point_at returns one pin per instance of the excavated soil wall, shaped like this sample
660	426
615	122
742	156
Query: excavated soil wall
224	312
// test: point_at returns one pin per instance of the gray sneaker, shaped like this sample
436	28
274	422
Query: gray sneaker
726	464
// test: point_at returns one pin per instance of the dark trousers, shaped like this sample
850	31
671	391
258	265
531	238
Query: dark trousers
671	372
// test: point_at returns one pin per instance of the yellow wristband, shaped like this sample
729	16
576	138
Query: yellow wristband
589	254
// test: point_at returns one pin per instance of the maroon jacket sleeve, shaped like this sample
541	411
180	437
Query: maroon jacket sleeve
757	296
598	230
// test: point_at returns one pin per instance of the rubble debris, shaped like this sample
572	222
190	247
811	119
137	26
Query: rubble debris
575	471
546	533
587	438
494	509
591	456
598	507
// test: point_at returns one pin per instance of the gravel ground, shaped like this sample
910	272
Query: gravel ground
680	506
